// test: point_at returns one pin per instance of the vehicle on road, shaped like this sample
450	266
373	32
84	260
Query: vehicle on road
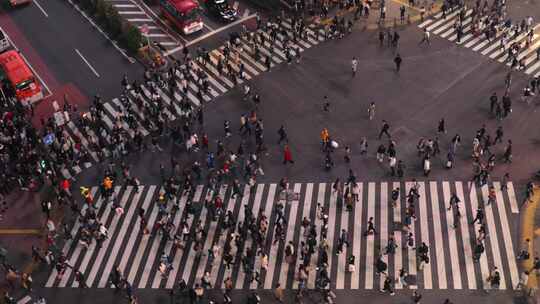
221	10
184	14
15	3
18	78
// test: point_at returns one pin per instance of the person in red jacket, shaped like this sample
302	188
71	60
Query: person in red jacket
287	156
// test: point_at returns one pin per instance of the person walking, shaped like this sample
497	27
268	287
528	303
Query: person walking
385	128
397	61
354	66
287	155
425	37
371	111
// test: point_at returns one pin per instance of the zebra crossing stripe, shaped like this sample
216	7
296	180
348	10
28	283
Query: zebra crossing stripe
506	235
370	240
512	197
464	227
411	253
439	22
142	245
483	258
24	300
398	258
317	222
493	241
451	221
424	235
126	253
454	261
121	233
112	228
89	252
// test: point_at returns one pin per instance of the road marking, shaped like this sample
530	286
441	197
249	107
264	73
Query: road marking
370	239
465	237
383	225
424	235
208	27
125	5
438	238
512	197
87	63
450	218
140	20
131	13
155	35
8	231
246	13
209	34
24	300
396	218
41	9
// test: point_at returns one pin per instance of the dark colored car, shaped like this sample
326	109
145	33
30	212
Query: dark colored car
221	9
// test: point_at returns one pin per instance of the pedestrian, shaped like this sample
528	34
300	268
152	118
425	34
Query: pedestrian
326	104
416	297
397	61
287	155
278	293
371	111
425	37
385	129
441	128
370	227
354	66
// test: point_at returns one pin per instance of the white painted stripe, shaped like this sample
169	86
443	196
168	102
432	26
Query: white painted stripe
89	252
136	232
241	277
40	8
398	257
289	235
532	68
317	222
332	212
342	257
131	13
188	267
168	43
411	253
454	255
424	234
438	245
124	5
493	239
235	5
156	35
508	244
214	82
439	22
483	258
180	252
246	13
370	240
119	240
26	299
87	63
357	241
112	228
272	260
143	244
466	237
305	213
512	197
140	20
268	211
68	243
510	42
384	225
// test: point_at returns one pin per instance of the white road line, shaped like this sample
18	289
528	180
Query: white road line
208	27
119	240
383	225
508	245
170	52
411	253
483	258
131	13
454	255
289	236
424	234
317	222
512	197
26	299
41	8
124	5
332	213
240	278
140	20
87	63
438	247
112	228
396	218
466	237
136	232
370	239
246	13
357	241
156	35
493	238
268	213
305	213
342	257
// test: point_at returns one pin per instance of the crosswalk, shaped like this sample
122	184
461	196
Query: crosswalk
451	264
493	48
219	85
138	16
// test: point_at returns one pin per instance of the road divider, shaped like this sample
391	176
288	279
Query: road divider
87	63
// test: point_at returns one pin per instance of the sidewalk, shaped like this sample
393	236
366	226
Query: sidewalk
392	19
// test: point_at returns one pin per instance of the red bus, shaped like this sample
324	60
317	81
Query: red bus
184	14
18	76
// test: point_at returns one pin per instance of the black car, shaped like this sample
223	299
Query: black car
221	9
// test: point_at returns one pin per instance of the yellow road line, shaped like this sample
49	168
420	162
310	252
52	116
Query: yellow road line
528	232
8	231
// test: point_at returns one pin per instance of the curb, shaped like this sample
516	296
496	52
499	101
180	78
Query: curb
528	232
